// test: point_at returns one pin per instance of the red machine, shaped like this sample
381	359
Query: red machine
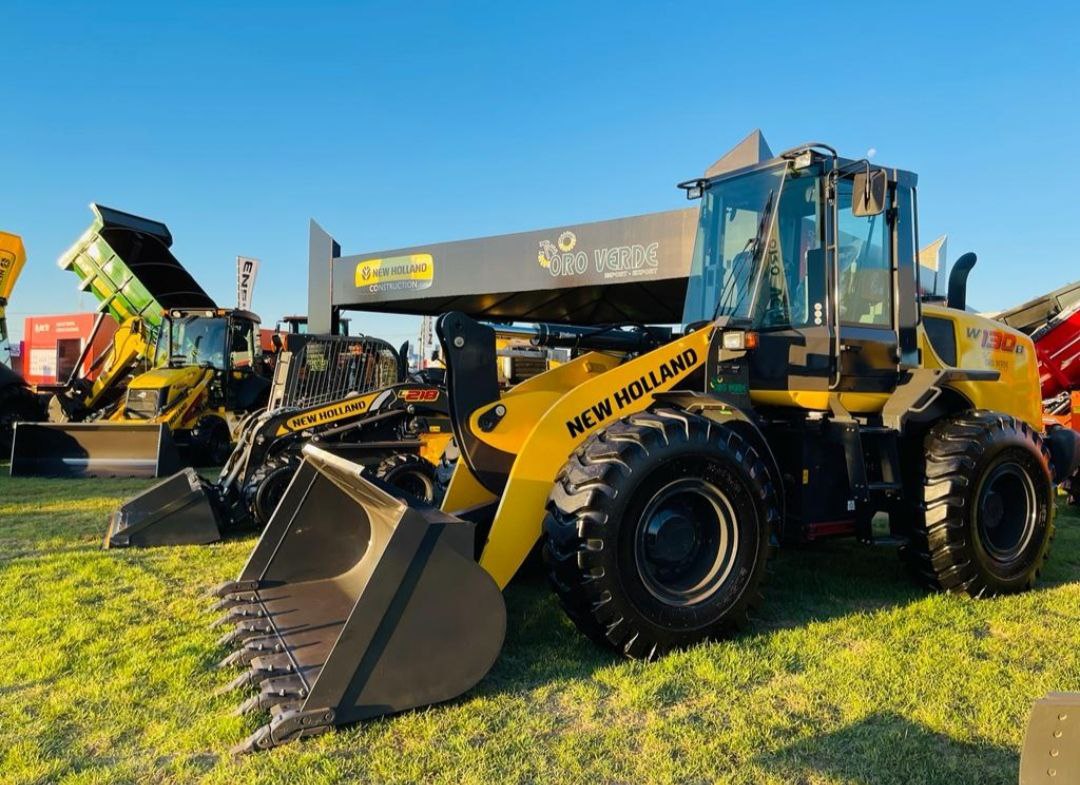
1053	322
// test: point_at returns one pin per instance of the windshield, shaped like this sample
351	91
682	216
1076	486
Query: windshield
195	340
756	234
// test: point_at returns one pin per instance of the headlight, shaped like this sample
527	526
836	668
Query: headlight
739	341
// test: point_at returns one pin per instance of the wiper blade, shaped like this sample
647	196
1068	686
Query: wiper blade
749	256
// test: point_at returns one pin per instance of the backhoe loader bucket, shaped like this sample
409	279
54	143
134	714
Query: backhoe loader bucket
95	449
175	511
355	604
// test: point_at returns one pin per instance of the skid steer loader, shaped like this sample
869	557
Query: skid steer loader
349	395
808	390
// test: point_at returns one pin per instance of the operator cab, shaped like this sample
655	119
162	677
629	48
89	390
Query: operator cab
223	340
815	257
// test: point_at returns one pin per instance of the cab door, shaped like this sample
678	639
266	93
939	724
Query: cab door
791	308
868	357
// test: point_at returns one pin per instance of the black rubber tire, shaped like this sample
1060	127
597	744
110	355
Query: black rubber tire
1071	486
950	549
17	404
598	502
212	441
412	474
269	483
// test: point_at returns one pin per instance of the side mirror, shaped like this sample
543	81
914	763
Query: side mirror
868	193
275	339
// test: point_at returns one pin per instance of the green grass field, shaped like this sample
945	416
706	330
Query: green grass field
851	675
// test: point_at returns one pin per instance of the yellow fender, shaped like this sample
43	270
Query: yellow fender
565	424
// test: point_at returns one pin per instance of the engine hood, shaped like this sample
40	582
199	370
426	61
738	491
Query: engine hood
173	378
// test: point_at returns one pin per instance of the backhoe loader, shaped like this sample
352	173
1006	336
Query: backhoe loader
17	400
177	378
807	390
348	395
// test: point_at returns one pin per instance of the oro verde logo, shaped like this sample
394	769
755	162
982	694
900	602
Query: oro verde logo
566	258
396	273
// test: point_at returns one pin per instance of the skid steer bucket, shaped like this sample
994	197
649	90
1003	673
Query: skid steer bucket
95	449
355	604
175	511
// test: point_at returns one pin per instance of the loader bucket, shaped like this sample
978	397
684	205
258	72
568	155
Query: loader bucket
1051	751
355	604
175	511
95	449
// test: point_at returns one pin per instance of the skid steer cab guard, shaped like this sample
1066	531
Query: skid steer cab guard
330	391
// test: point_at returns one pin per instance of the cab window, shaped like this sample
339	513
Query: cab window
864	264
792	288
242	347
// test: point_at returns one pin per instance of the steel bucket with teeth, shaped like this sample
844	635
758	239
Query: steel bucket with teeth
355	604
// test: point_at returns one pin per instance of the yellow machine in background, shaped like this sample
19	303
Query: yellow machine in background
17	400
208	374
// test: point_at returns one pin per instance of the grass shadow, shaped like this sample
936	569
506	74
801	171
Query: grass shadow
888	749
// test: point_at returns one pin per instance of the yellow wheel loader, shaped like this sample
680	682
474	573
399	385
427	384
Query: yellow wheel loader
808	390
17	400
351	395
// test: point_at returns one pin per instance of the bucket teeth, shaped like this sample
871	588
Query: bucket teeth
272	665
233	600
239	683
231	587
286	726
261	669
274	693
240	613
262	739
245	631
252	649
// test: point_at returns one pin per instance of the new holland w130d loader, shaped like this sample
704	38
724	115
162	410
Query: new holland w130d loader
808	390
351	395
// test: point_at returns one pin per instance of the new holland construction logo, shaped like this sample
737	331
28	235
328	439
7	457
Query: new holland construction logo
413	272
565	258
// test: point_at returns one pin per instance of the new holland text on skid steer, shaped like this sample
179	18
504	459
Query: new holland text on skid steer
350	395
659	479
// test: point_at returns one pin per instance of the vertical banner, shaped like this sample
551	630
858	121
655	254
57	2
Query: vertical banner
246	270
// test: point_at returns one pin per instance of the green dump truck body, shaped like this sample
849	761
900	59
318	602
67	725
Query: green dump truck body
125	261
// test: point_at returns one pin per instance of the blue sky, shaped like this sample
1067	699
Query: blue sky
397	124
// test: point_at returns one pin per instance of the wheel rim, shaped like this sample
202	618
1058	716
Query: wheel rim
272	490
415	484
1006	510
686	542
